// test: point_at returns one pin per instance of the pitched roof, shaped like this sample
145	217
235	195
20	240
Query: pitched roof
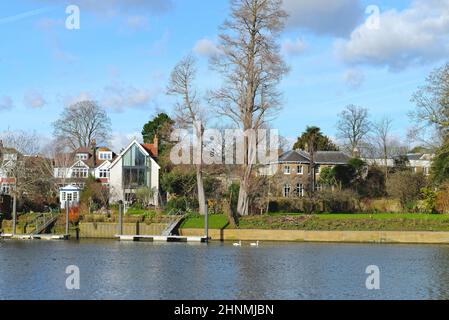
321	157
333	157
293	156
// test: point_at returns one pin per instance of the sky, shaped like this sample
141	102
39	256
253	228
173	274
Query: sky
372	53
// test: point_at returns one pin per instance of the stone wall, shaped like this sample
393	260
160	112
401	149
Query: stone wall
323	236
110	230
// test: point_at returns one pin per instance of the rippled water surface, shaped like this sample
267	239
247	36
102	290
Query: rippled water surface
118	270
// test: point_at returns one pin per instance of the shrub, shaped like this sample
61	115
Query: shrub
406	186
442	199
181	204
429	202
341	201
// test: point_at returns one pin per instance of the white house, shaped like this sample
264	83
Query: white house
75	167
135	168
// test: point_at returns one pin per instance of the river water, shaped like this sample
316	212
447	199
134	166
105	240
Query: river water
120	270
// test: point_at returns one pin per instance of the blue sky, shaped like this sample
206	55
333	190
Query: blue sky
124	51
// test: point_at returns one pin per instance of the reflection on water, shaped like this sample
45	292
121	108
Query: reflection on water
120	270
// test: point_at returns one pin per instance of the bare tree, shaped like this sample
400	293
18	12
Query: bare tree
189	113
30	172
382	131
432	102
252	67
81	123
353	126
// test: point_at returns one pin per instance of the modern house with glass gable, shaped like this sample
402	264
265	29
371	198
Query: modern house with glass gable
135	168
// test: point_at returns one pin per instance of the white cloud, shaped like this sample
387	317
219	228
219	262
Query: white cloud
293	48
137	21
118	97
82	96
121	140
6	103
34	99
324	17
416	35
206	47
354	78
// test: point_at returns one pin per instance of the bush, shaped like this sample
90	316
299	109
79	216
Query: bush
337	202
332	202
442	199
406	186
181	204
429	202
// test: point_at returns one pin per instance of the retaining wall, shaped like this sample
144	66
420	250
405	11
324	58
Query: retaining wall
323	236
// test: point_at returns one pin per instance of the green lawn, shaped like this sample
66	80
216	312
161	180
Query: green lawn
216	221
328	222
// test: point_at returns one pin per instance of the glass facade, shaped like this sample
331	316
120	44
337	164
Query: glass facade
135	169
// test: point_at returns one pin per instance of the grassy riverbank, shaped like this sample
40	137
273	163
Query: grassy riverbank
329	222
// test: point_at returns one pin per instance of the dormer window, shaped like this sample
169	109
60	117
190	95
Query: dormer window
82	156
105	156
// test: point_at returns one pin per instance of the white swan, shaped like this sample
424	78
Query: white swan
255	244
238	244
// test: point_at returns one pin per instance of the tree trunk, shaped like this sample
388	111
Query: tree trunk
201	194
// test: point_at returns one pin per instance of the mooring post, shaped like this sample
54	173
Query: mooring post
14	215
206	223
120	220
67	208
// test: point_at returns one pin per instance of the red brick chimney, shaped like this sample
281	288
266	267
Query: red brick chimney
156	145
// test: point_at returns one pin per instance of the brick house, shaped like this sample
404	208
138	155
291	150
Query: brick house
291	173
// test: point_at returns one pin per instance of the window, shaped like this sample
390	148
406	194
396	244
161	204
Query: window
69	196
318	169
105	156
80	172
75	196
426	171
6	187
104	173
318	187
82	156
287	170
300	190
64	197
300	170
287	190
135	169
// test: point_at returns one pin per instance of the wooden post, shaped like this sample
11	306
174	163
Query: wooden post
67	208
206	223
120	220
14	215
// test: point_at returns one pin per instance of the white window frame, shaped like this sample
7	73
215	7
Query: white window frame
287	190
287	170
300	169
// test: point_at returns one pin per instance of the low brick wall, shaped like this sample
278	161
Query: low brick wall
323	236
110	230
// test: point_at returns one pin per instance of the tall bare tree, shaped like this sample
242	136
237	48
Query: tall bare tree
353	126
252	67
190	114
382	135
432	108
81	123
